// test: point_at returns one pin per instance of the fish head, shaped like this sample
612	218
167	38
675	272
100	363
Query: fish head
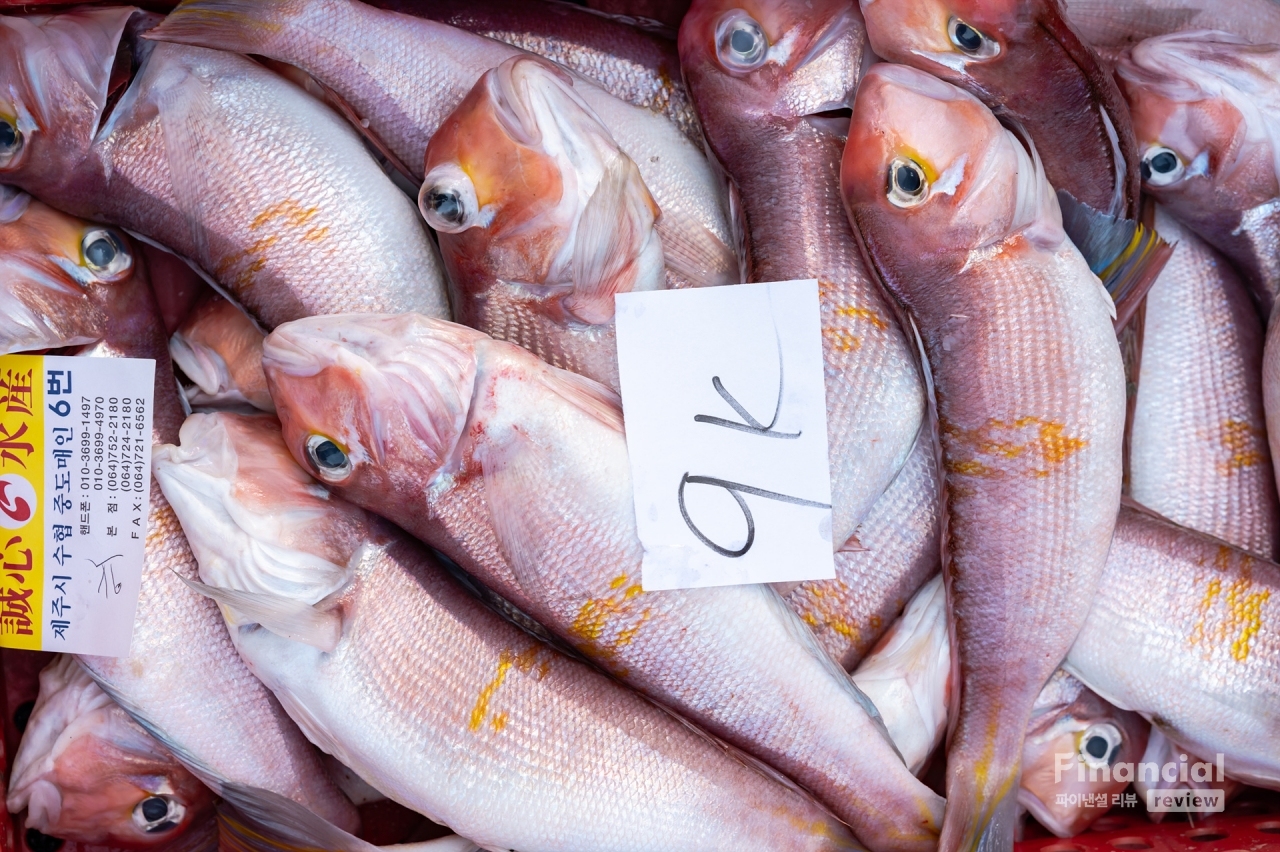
85	771
1074	735
61	72
374	405
63	281
988	47
748	60
525	185
928	165
256	522
1206	114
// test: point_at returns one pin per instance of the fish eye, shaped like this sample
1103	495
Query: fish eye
156	814
969	40
105	253
1161	166
328	459
10	141
1100	744
448	199
740	42
907	184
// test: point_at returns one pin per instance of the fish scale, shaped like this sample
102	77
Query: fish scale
786	167
405	75
1199	453
506	427
228	165
1208	626
436	700
900	550
1030	403
182	679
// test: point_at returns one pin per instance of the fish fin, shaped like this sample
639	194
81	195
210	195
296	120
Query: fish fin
1126	255
236	26
197	767
586	395
853	545
695	254
251	819
508	480
997	835
615	249
288	619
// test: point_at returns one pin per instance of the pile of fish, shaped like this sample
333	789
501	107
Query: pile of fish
392	553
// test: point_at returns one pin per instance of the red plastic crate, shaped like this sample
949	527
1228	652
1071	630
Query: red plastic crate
1244	833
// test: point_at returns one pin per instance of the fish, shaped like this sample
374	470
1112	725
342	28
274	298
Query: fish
85	771
631	61
1206	112
668	12
1161	753
996	51
1113	26
909	676
1198	438
219	348
213	157
402	76
900	549
1183	631
83	289
394	668
770	113
542	217
518	472
1075	738
962	226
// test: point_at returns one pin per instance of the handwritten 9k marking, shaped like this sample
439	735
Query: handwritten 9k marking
751	425
737	489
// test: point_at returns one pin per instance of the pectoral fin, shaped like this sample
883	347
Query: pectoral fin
289	619
616	249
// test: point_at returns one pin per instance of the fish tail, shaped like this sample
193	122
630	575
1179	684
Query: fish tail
978	824
236	26
983	773
1125	254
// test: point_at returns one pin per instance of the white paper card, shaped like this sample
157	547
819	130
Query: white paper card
726	419
75	492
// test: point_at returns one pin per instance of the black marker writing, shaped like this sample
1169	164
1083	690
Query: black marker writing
736	490
751	425
105	565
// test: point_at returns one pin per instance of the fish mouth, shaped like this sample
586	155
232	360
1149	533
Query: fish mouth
833	121
243	544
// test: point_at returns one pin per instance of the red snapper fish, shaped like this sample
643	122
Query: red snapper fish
959	221
86	771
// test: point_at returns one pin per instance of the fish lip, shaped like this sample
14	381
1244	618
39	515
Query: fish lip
843	24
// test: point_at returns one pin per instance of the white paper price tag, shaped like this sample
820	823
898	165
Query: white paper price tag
75	491
726	420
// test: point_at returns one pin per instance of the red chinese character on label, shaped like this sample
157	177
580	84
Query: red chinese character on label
15	391
15	611
10	567
10	445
